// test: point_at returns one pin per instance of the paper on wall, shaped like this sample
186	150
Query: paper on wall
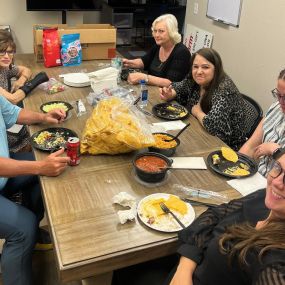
195	38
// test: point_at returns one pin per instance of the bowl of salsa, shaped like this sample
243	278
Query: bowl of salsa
151	167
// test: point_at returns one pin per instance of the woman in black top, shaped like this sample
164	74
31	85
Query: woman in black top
167	61
239	243
212	97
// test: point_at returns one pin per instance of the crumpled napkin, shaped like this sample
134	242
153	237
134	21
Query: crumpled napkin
248	185
126	200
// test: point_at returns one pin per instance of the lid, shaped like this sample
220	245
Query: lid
73	140
142	81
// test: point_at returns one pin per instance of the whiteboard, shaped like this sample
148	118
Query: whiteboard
225	11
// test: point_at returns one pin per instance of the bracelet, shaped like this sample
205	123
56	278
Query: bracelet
146	78
277	153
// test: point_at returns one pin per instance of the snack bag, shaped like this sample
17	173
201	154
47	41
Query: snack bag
71	53
51	47
115	127
52	86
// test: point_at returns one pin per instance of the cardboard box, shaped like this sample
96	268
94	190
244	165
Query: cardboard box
98	41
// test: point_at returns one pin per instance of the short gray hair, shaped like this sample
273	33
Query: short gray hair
172	26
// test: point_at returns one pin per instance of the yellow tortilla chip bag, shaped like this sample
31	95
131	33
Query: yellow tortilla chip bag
114	127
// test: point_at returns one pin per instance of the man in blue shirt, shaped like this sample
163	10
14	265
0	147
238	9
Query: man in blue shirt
19	223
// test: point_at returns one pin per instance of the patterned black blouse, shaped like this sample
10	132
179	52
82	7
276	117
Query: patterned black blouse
226	117
200	244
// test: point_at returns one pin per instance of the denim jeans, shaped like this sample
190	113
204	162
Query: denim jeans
19	226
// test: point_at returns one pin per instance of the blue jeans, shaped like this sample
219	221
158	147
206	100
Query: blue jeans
19	226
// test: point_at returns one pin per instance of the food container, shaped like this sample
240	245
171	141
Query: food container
55	105
151	167
165	151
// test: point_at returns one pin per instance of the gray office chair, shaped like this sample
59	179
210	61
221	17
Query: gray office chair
253	114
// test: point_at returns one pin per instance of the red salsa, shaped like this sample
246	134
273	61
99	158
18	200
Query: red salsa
151	163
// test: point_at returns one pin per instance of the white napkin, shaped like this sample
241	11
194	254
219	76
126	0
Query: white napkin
188	163
126	200
167	126
248	185
15	129
105	78
104	73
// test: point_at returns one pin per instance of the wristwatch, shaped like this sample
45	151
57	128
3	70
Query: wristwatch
278	152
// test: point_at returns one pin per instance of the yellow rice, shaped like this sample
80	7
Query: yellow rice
161	143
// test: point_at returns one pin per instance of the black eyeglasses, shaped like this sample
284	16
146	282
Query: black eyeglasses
9	52
276	170
276	94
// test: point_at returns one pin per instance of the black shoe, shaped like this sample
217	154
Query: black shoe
32	84
44	241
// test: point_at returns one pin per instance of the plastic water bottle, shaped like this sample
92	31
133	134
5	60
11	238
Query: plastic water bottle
117	63
144	94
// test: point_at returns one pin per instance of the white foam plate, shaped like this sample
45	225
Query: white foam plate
165	223
76	79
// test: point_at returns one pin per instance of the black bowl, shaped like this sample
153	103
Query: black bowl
152	177
165	151
69	106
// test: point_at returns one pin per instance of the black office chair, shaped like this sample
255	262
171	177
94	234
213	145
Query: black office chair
253	113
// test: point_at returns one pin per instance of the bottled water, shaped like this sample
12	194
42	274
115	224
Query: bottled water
117	63
144	94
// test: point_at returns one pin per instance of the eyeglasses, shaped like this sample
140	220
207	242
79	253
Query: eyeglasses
159	31
276	94
9	52
276	170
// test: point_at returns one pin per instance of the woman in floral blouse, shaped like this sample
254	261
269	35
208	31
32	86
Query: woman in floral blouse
212	97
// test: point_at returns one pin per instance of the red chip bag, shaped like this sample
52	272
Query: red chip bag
51	47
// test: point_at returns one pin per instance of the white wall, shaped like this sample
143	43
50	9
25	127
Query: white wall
13	13
253	54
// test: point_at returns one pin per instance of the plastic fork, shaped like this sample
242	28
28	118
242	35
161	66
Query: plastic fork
166	210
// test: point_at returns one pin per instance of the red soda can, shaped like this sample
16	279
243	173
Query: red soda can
73	150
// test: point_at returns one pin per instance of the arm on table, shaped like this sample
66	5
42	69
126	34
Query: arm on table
133	63
53	165
27	117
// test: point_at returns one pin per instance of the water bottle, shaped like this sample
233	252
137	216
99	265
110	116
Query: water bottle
117	63
144	94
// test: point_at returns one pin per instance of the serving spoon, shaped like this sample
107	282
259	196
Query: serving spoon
179	133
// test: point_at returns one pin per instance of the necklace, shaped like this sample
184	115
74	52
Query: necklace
163	56
160	65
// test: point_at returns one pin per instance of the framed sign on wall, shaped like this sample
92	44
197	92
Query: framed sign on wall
225	11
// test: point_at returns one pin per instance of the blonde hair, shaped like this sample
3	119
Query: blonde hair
172	26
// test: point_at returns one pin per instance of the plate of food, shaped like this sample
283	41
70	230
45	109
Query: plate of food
48	106
51	139
231	164
170	111
150	213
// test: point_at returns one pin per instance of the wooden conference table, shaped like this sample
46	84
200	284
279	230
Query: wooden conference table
88	238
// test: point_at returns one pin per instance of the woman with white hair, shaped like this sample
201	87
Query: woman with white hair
168	60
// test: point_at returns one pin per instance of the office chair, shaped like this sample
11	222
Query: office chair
253	113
